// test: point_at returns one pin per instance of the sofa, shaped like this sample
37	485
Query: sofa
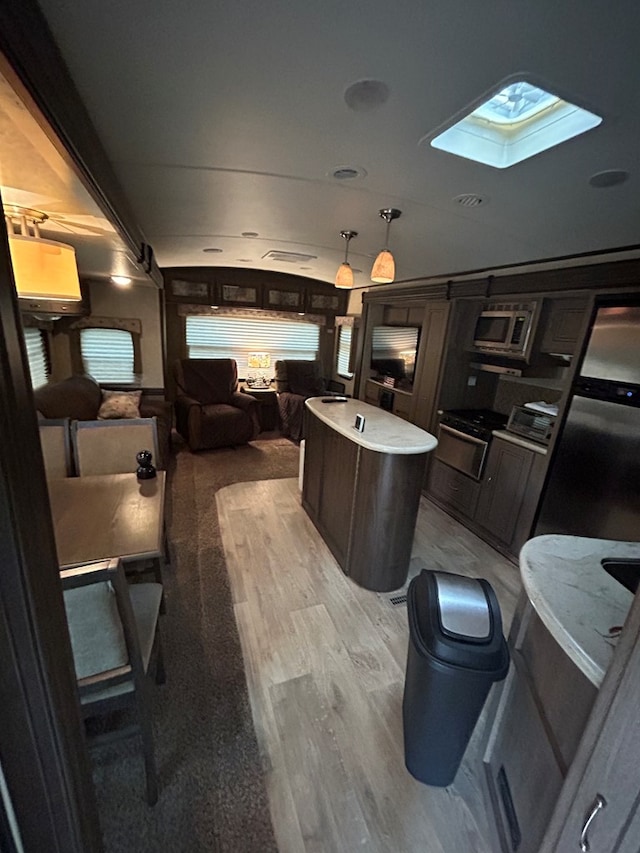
80	398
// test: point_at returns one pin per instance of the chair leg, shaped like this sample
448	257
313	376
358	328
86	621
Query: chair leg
157	573
146	733
160	674
165	544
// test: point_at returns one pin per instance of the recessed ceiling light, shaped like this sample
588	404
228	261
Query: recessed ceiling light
212	249
121	280
517	121
470	200
608	178
250	234
366	95
348	173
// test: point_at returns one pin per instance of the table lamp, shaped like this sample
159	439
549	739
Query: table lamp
258	363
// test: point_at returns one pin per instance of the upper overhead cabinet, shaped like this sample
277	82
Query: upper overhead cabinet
563	321
253	289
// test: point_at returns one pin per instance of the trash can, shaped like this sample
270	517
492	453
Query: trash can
456	652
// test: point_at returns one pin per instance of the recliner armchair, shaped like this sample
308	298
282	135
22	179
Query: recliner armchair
296	381
210	411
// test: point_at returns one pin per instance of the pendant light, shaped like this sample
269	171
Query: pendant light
344	276
384	268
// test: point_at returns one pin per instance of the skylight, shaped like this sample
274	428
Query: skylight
516	122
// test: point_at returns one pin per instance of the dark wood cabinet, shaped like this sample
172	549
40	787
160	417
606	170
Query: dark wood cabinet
563	323
500	507
503	488
455	490
537	724
363	502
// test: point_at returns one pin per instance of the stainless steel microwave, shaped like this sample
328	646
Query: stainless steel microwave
506	328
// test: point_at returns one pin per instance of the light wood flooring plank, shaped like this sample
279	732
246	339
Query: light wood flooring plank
325	666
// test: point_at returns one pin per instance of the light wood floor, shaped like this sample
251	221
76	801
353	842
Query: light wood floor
325	664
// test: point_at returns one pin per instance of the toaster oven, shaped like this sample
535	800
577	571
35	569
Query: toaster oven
531	423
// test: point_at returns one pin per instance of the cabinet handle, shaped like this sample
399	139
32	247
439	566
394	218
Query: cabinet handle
489	479
598	804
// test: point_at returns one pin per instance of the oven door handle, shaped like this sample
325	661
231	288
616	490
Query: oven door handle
463	435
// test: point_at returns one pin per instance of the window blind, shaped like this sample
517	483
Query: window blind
107	355
37	357
344	351
236	337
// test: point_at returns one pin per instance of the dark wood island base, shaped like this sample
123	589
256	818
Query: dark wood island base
364	501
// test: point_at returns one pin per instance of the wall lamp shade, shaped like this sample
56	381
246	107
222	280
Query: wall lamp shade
44	269
384	267
259	360
344	276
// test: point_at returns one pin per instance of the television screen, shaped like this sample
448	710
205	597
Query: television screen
393	352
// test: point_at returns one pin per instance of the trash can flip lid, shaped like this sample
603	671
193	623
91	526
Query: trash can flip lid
463	607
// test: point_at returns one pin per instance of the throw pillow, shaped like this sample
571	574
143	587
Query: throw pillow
119	404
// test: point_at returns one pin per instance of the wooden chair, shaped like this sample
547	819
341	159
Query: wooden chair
55	439
116	643
110	447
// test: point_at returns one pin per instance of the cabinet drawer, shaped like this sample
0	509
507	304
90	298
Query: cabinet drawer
453	488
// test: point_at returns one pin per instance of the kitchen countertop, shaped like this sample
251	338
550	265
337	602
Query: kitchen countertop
383	432
576	599
520	440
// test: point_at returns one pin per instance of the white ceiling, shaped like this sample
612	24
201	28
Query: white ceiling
224	117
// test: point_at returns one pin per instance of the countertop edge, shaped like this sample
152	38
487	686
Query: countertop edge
577	601
403	439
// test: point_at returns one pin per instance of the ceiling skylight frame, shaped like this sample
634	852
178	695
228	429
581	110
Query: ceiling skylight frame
475	134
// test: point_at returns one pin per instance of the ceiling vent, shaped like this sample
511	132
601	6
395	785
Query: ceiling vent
469	200
289	257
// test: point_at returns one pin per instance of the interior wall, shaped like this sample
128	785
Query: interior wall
139	302
355	302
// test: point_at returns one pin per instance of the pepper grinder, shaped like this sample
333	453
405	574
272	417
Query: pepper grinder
146	469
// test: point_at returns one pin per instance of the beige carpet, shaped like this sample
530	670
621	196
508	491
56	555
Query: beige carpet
212	795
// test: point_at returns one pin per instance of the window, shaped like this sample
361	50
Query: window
235	337
517	121
107	355
37	356
345	336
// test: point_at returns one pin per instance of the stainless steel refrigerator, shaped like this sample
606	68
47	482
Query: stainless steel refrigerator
593	484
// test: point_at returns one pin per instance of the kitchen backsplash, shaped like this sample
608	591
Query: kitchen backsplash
511	394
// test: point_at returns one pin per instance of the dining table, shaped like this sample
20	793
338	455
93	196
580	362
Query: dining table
108	515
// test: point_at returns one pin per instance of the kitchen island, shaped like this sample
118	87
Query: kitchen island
562	641
362	488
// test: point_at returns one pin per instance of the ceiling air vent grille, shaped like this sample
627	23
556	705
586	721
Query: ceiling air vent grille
469	200
289	257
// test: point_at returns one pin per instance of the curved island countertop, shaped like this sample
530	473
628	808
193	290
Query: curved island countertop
383	432
578	602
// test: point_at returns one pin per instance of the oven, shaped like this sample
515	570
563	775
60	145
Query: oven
464	436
